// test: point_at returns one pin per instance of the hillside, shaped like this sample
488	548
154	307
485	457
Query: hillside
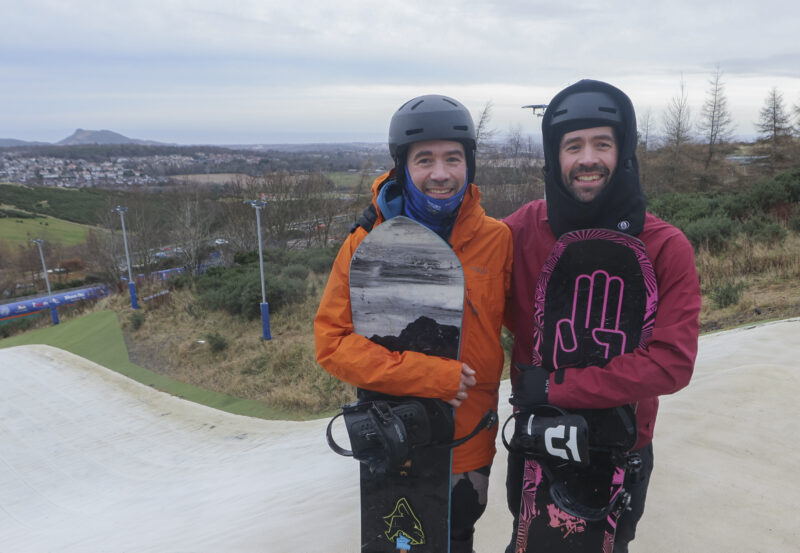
81	136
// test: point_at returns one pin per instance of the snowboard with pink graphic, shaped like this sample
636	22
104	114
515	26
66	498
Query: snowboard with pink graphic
596	299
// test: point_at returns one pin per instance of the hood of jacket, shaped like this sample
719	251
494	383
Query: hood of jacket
620	206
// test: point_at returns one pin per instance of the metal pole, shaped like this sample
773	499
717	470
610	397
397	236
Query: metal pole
131	285
260	254
44	266
53	310
122	211
265	332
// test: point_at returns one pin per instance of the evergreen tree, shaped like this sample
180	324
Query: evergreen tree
774	123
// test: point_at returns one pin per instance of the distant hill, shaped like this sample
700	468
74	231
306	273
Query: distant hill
81	136
11	142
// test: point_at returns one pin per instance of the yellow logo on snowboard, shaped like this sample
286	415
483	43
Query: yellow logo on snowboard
403	526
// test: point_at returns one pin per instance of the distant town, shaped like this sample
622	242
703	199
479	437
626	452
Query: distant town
106	159
118	172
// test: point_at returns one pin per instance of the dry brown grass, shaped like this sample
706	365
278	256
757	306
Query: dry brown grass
282	372
769	277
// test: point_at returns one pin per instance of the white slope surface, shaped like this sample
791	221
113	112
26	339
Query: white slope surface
93	462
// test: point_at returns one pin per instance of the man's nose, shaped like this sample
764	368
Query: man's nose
439	170
588	156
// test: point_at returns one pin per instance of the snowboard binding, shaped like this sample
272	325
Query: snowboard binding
557	437
383	432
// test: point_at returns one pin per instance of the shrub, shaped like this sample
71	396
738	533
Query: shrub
295	271
682	209
767	193
137	320
18	326
239	291
217	342
712	232
726	294
764	229
179	282
319	260
794	222
791	180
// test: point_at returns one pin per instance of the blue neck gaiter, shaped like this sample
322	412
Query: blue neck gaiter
437	215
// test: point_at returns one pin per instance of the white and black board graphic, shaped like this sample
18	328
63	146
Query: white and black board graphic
407	289
407	294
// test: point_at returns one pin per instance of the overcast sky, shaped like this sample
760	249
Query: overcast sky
269	71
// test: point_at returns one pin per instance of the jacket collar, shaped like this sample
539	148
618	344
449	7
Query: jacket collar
469	214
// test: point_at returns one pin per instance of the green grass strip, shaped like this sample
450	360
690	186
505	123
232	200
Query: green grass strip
98	337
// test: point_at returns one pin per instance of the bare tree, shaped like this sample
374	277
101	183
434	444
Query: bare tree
677	122
318	206
677	128
9	269
237	220
282	212
191	225
715	122
797	118
646	123
105	251
483	133
146	232
510	178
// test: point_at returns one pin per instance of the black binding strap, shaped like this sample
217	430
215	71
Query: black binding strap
488	420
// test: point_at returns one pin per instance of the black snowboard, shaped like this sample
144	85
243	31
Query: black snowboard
407	293
596	298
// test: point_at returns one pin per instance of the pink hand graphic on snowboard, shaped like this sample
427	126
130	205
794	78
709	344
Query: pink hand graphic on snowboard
593	329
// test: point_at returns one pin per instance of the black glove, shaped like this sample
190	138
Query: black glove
531	387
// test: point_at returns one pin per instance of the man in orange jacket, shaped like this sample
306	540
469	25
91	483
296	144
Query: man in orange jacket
432	140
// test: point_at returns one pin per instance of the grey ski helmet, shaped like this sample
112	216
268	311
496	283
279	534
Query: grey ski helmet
432	117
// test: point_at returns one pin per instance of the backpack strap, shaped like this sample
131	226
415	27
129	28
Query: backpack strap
367	219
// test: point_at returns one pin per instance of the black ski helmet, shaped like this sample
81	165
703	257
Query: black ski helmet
584	110
432	117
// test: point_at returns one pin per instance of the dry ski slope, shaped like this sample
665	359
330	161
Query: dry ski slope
92	462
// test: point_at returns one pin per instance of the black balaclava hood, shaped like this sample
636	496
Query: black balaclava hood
620	205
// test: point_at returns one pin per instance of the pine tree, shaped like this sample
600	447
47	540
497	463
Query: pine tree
774	123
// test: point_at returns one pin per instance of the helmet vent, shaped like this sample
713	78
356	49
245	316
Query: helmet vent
560	112
607	110
461	127
409	132
415	106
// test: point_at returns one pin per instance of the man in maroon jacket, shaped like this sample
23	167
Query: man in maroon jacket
592	181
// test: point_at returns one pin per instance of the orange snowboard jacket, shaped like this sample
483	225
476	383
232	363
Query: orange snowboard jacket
483	245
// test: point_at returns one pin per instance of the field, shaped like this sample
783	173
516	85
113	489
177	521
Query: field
19	231
210	179
349	181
